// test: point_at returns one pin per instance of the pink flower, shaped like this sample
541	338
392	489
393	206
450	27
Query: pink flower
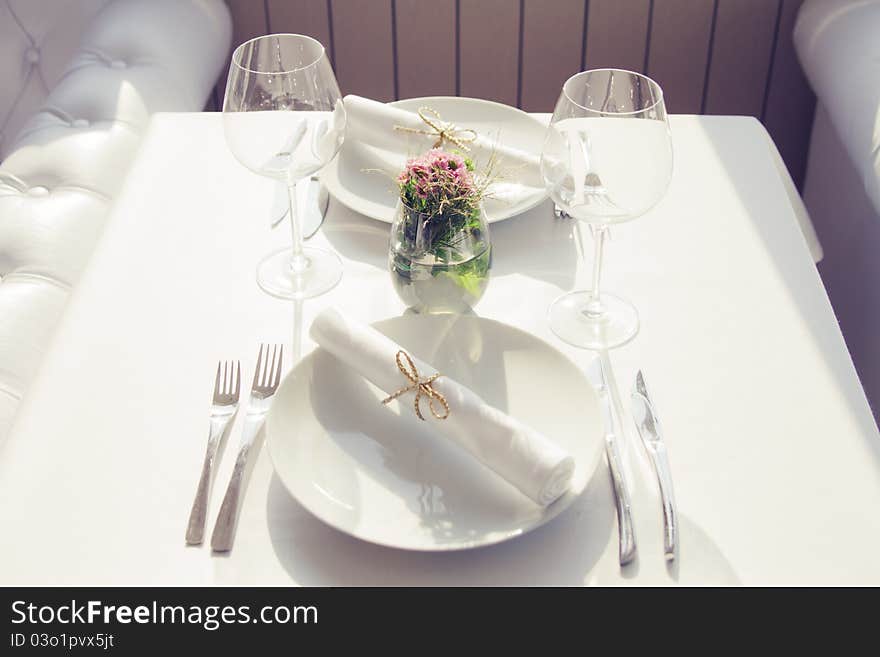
439	175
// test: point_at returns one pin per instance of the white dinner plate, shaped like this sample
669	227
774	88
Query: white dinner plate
362	177
381	475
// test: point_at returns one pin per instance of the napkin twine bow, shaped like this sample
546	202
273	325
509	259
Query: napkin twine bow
422	386
444	131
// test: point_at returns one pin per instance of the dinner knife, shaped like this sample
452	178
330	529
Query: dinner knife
626	532
651	434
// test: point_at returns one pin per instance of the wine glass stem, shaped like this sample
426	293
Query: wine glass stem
595	308
298	260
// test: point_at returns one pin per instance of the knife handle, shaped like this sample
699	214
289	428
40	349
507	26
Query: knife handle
626	532
660	461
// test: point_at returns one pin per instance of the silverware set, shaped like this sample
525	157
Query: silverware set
648	426
267	375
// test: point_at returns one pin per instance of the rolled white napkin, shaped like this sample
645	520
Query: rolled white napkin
525	458
373	123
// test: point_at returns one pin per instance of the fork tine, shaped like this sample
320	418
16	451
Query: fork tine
226	377
278	371
270	371
237	378
217	380
257	369
267	371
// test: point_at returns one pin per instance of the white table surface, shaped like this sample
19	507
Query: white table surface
773	448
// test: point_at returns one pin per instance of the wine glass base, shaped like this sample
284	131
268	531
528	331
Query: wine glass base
275	276
572	323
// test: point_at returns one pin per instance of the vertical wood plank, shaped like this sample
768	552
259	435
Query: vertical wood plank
309	17
743	42
426	48
489	66
363	47
679	50
617	34
790	103
248	21
552	46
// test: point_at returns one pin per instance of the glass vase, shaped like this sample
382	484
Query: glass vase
439	263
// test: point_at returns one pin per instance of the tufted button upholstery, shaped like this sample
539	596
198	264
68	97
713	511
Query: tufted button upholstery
71	127
37	40
32	55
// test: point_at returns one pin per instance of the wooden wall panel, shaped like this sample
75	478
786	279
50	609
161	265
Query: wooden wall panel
552	50
715	56
740	60
790	103
488	46
309	17
363	46
679	51
426	48
617	34
248	21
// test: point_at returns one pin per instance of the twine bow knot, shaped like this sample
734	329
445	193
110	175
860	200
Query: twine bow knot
421	386
443	130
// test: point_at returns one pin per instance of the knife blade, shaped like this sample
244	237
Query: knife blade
651	433
626	532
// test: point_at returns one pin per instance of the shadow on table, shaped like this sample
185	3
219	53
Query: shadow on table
699	562
561	552
534	244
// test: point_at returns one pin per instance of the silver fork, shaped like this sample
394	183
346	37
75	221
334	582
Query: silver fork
223	407
266	377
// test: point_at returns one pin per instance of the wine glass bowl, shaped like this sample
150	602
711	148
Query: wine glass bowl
283	118
607	158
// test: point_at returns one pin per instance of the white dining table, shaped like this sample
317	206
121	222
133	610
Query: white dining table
774	451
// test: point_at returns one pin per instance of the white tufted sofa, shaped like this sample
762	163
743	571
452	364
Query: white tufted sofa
838	43
79	80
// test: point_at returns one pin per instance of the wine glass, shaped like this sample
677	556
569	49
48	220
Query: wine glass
607	158
283	118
